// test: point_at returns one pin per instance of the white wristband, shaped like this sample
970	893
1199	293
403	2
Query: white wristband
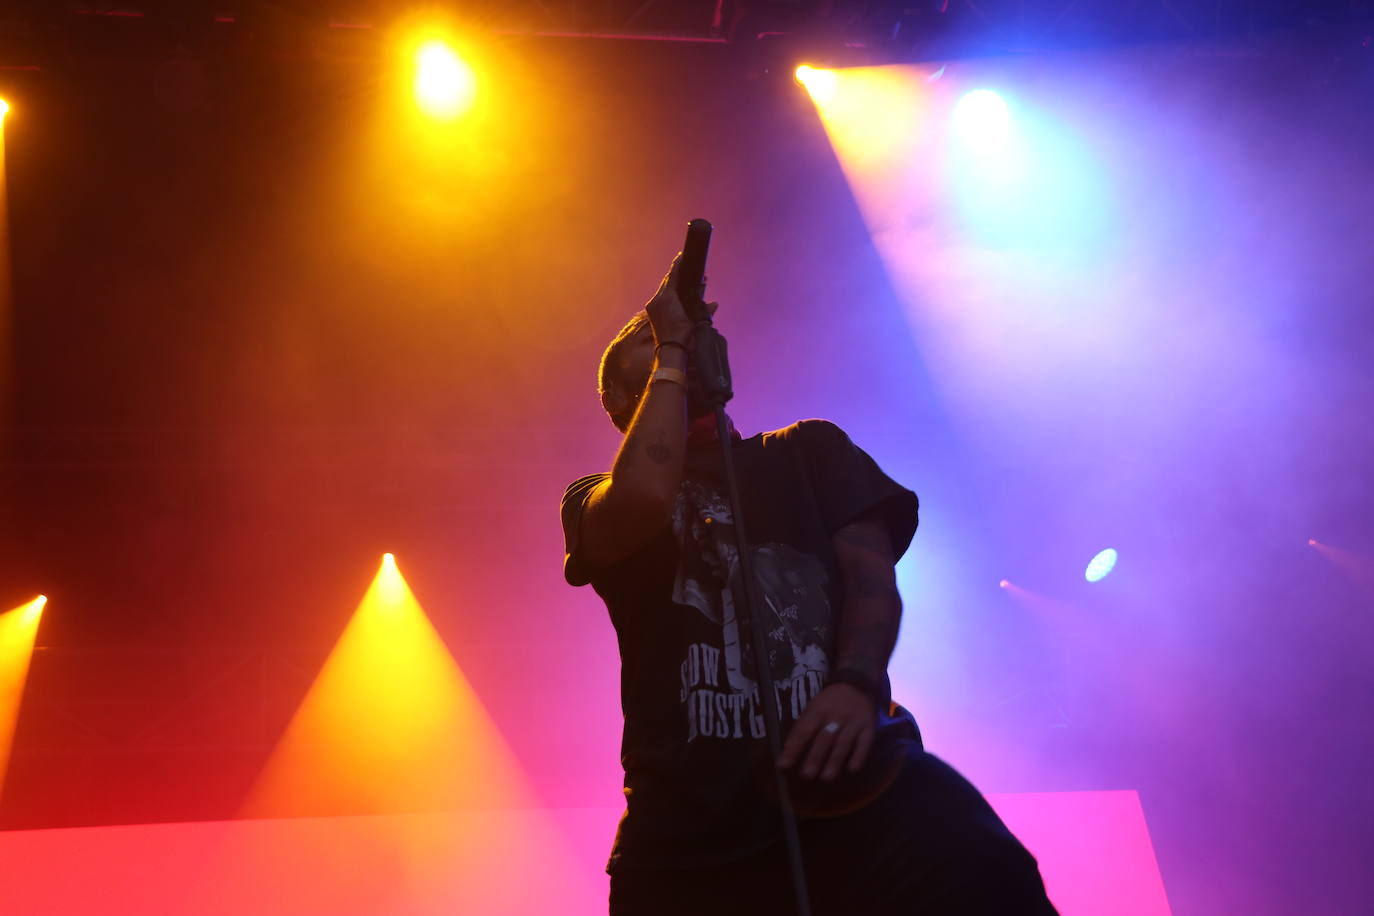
669	374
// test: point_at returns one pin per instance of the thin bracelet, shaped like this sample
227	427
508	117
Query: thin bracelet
670	343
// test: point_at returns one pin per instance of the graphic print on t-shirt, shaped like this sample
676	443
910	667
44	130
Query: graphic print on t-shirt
719	693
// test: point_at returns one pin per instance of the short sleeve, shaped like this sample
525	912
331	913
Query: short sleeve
574	501
849	484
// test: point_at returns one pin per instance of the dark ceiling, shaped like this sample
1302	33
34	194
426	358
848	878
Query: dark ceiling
47	35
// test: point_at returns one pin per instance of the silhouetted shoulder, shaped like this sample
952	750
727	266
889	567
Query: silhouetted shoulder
574	501
849	484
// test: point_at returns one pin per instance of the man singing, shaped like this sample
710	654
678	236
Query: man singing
885	827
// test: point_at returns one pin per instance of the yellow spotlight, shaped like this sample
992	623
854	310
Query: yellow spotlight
819	83
878	123
4	109
18	628
445	85
389	725
391	728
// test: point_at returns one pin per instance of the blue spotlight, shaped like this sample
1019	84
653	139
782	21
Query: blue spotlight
1022	178
1100	565
982	119
992	167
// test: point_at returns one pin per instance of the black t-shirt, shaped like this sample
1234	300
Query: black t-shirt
697	783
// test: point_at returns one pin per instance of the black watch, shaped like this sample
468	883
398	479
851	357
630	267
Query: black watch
856	678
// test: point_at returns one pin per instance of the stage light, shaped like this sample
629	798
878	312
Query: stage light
875	118
391	728
1358	567
445	85
1005	583
1098	567
18	628
820	84
4	109
982	119
389	725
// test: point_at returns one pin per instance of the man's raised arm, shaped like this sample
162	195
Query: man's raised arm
637	501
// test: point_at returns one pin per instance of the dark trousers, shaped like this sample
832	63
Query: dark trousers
930	845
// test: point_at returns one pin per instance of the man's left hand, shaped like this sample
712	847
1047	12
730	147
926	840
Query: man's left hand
836	729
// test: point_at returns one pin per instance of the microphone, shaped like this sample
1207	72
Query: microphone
691	271
709	353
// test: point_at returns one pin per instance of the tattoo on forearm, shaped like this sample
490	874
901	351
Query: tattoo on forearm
659	452
865	554
872	610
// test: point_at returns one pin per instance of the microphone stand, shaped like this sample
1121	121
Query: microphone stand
713	368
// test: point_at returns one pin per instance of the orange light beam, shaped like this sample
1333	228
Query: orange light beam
392	729
18	630
389	725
